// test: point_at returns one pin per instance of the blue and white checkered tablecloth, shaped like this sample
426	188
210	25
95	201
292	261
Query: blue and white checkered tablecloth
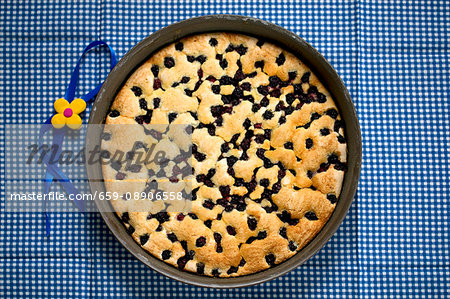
394	58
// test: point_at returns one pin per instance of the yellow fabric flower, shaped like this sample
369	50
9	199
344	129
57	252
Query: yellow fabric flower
67	113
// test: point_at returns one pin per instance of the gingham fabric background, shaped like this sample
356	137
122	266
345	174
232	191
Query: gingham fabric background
394	59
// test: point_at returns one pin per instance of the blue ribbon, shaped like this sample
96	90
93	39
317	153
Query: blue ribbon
53	172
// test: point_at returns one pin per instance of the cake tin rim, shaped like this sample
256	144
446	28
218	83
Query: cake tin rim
244	25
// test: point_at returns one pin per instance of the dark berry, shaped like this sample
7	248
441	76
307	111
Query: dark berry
215	272
292	246
125	217
223	63
305	77
289	110
309	143
310	174
211	173
172	237
246	86
247	123
281	59
283	232
181	262
231	161
264	102
239	76
200	268
200	75
259	64
105	154
156	102
166	254
290	98
224	148
292	75
231	230
155	70
201	59
270	259
136	90
172	116
321	98
116	165
274	81
279	106
229	208
224	190
264	90
208	223
268	114
212	130
256	107
230	48
193	216
208	204
315	116
169	62
252	223
162	217
232	270
341	139
213	42
217	237
200	242
262	235
143	104
190	58
267	133
324	131
135	168
289	145
179	46
332	198
311	216
241	50
106	136
237	93
340	166
226	80
130	230
185	79
338	124
276	93
156	84
276	187
215	89
114	113
333	158
143	239
264	182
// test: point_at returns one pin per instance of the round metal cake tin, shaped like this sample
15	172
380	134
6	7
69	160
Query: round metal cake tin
257	28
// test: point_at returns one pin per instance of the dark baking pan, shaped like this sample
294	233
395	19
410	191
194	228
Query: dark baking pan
253	27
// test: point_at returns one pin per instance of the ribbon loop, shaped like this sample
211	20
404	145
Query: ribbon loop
53	172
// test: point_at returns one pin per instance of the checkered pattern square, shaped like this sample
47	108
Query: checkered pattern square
394	59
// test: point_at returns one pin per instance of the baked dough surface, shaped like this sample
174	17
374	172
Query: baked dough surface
268	153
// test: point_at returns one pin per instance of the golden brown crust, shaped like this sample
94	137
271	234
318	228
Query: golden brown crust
253	101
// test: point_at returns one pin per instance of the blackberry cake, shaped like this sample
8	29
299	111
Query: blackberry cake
268	153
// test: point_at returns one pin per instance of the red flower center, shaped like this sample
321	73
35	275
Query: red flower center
68	112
